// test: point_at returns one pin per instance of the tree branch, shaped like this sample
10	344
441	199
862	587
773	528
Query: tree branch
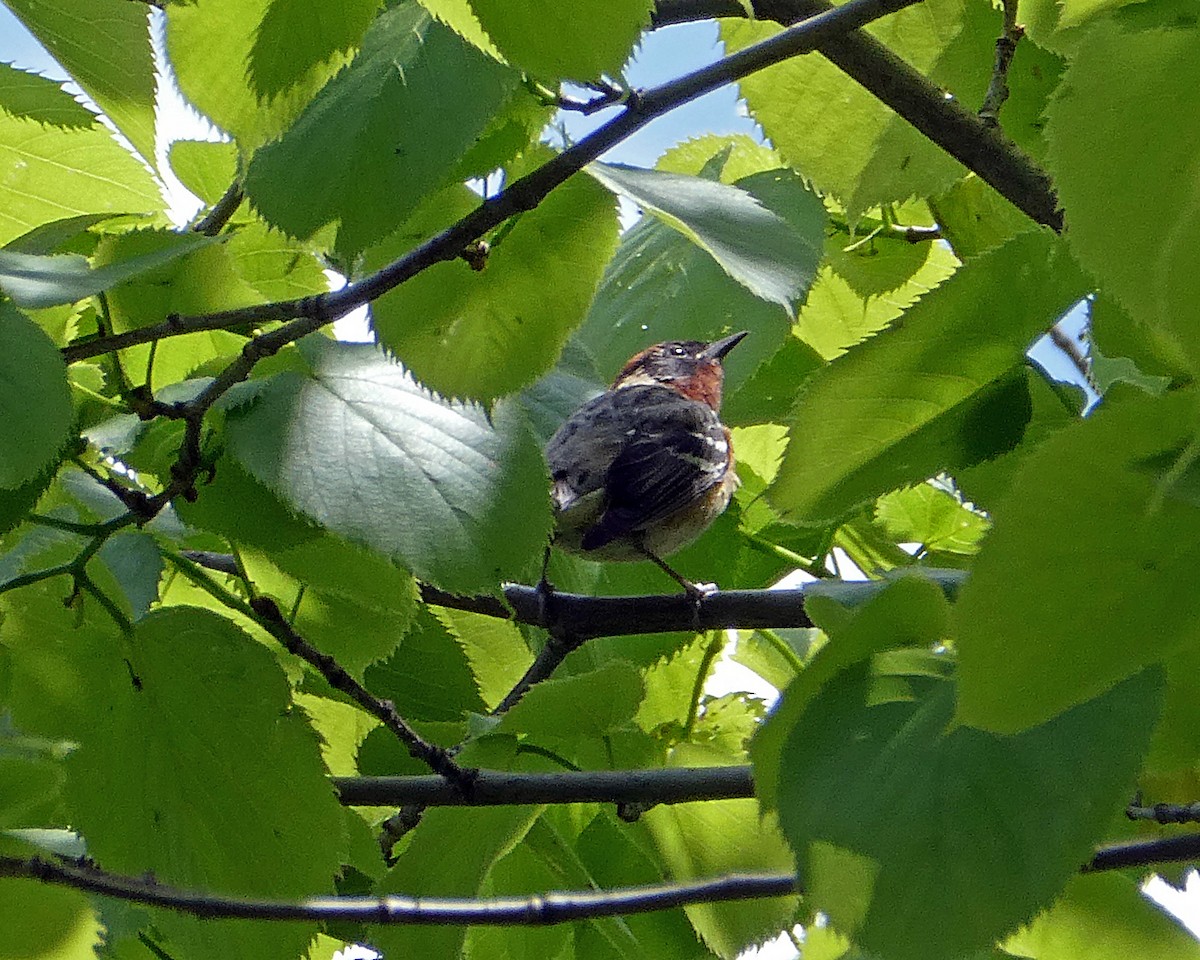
1120	856
584	617
961	133
1165	812
554	907
212	222
501	788
267	615
1006	47
311	313
547	908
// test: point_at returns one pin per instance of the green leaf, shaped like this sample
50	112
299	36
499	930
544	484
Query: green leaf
277	267
1110	507
907	611
986	483
1054	23
1118	96
697	840
33	379
581	41
410	66
135	565
660	286
478	838
34	281
529	868
193	278
295	38
214	77
33	97
899	818
861	151
495	648
194	680
1104	917
586	705
435	485
50	173
975	219
752	243
614	858
49	923
205	167
932	517
937	394
429	676
105	46
865	285
337	622
773	387
481	334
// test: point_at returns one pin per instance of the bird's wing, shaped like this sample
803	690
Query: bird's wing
677	452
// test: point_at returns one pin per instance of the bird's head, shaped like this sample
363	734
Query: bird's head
689	367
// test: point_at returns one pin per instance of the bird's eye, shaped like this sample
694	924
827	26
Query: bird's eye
679	351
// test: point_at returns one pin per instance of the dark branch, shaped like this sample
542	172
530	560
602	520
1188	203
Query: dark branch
583	617
536	910
961	133
500	788
524	194
546	908
216	218
437	758
1119	856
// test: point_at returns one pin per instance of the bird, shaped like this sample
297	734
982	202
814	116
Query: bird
643	469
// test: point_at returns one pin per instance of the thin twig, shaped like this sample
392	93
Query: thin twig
1071	349
311	313
1165	813
438	759
214	221
264	612
915	234
1006	47
541	909
503	788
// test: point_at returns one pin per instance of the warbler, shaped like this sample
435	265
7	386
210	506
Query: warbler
643	469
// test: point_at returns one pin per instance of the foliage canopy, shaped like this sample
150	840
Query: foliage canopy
240	557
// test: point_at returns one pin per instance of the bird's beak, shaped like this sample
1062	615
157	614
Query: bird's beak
718	348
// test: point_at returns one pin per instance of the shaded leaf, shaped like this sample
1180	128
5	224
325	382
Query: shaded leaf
754	245
487	333
435	486
33	379
105	46
295	37
942	392
410	66
1108	505
581	41
43	281
898	817
195	679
